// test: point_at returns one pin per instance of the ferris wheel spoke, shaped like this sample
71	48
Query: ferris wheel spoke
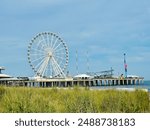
60	53
49	68
42	45
41	68
54	67
55	71
38	41
37	50
37	54
59	58
52	71
47	72
58	67
45	66
58	50
43	38
48	40
39	63
57	46
39	58
61	63
51	40
54	43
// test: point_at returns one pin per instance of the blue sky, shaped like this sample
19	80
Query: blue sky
105	28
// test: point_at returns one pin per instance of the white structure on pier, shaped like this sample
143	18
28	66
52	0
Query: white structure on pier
83	76
3	75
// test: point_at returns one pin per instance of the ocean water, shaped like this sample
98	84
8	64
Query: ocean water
145	85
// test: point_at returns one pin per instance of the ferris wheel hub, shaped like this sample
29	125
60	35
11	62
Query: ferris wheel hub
50	54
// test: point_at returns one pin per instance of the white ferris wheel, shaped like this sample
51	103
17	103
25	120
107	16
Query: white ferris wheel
48	55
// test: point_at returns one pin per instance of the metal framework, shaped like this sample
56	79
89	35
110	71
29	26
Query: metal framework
48	55
102	74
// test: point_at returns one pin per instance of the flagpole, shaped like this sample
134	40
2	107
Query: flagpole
125	65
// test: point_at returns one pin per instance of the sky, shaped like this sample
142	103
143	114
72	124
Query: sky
105	28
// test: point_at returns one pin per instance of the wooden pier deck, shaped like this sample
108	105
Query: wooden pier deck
70	82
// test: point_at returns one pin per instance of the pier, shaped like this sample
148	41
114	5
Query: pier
70	82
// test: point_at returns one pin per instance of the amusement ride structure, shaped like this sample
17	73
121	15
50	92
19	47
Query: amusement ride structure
48	55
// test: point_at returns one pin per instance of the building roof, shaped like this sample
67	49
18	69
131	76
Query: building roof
82	76
4	76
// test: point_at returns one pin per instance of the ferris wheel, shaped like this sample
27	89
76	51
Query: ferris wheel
48	55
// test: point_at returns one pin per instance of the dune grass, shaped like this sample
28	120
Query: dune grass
76	100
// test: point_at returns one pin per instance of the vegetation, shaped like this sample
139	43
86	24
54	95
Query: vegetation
80	100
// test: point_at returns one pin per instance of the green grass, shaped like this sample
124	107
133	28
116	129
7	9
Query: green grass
76	100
